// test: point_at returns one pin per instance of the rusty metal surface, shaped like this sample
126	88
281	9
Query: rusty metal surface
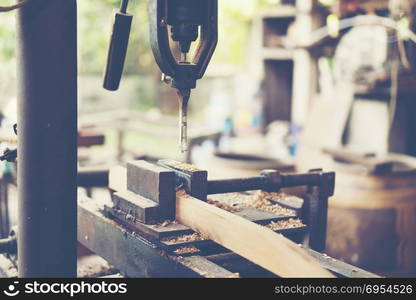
205	267
340	269
132	254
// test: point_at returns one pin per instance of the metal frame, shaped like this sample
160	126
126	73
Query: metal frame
47	139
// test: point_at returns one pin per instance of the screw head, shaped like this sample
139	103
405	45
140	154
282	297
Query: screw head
166	79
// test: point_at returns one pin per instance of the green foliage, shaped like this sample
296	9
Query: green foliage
94	26
235	19
95	21
7	35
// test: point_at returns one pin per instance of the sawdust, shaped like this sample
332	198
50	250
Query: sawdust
184	166
223	206
235	202
285	224
186	238
270	196
186	250
262	202
166	223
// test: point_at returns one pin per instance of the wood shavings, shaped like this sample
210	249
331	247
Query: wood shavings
184	166
234	202
259	200
186	250
285	224
262	202
187	238
223	206
270	196
166	223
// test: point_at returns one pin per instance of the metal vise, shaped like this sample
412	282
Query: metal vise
150	194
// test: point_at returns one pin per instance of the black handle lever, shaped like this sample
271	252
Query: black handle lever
118	48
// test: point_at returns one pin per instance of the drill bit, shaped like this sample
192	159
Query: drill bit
184	96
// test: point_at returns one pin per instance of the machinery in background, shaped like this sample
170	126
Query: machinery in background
366	91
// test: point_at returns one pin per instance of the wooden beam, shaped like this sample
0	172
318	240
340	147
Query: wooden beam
117	180
251	241
256	243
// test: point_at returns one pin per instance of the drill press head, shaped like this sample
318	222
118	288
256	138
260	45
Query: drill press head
180	21
185	17
183	22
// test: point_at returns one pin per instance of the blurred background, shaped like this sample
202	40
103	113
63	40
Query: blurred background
293	85
141	90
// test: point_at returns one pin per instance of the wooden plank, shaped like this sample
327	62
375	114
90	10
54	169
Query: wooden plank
117	179
253	242
256	243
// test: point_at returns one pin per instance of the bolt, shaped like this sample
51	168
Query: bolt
129	217
166	79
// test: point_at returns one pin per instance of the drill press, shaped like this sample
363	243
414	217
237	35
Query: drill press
171	21
183	22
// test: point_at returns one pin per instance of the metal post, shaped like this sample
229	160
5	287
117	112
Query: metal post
47	138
